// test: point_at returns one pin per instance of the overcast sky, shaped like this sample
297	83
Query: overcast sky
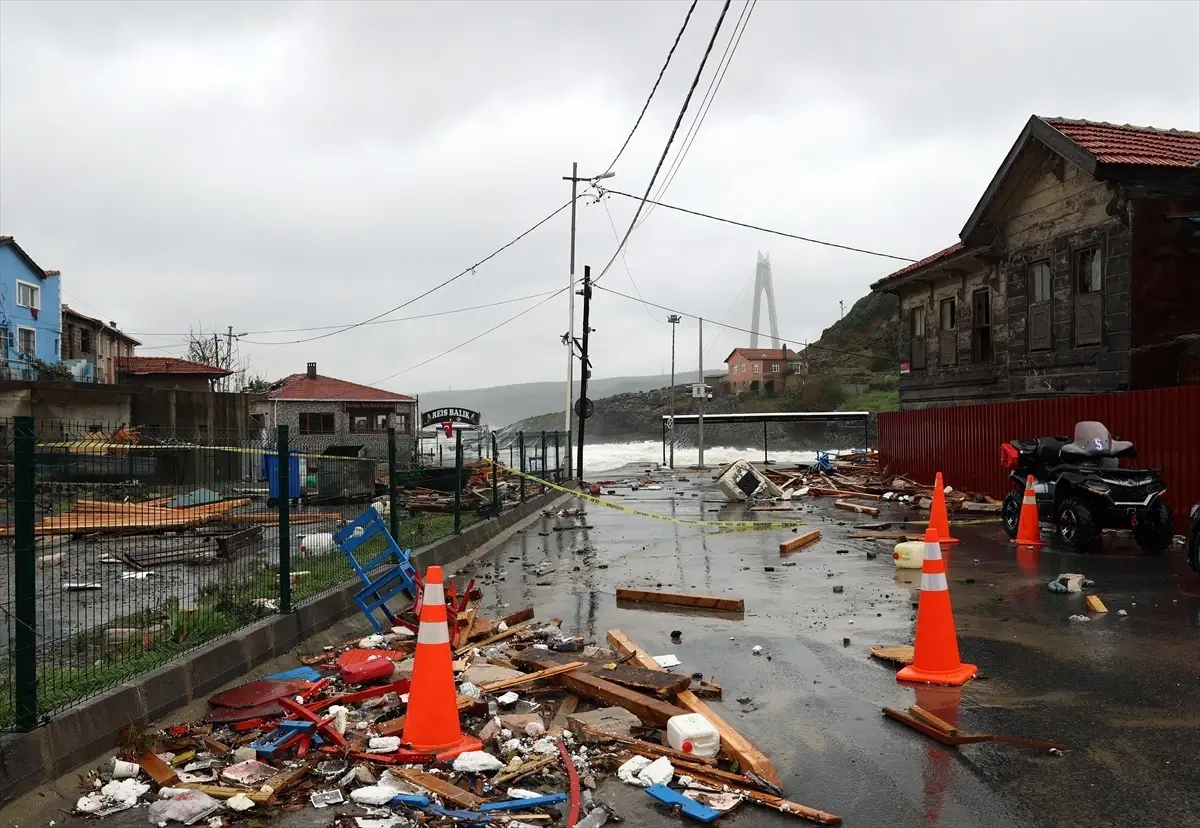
286	165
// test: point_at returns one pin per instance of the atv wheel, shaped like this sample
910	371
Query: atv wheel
1155	531
1011	513
1077	525
1194	551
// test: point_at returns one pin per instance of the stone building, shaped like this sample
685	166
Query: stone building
92	348
1078	272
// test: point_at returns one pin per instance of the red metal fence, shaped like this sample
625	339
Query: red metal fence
963	442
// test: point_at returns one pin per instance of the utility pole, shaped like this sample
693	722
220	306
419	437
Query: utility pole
585	366
674	320
574	179
700	403
228	356
841	309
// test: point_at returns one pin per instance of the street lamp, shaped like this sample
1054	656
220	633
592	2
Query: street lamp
574	178
674	319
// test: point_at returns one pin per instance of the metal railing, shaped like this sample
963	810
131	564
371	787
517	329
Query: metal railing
121	550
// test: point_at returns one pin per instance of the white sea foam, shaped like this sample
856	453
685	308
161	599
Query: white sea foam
609	456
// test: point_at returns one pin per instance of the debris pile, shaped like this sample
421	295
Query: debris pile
556	716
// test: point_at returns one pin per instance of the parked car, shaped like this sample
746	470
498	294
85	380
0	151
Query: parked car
1082	489
1193	539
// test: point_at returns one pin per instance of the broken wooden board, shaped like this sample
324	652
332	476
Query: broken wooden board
647	708
1095	604
681	600
733	744
639	678
531	677
857	508
240	540
158	770
933	720
222	792
450	793
899	654
800	541
559	723
842	493
511	631
652	750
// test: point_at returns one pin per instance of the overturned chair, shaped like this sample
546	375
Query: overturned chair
385	576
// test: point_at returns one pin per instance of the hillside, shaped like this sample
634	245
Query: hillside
504	404
870	327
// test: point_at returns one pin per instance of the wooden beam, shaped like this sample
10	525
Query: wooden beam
511	631
647	708
559	723
163	774
933	721
682	600
222	792
857	508
776	803
641	678
448	792
492	687
800	541
733	744
650	749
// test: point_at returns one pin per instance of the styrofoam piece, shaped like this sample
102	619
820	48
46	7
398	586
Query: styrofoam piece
658	772
476	761
628	772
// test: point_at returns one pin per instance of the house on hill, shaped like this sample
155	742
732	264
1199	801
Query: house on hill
324	411
761	370
1078	272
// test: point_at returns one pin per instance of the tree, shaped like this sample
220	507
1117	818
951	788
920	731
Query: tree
253	384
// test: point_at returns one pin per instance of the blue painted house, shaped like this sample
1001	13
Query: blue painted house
30	312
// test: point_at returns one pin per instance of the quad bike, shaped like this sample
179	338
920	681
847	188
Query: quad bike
1082	489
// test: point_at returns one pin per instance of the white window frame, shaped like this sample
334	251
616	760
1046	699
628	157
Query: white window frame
32	331
756	368
774	367
37	295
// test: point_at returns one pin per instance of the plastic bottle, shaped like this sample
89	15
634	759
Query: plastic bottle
595	819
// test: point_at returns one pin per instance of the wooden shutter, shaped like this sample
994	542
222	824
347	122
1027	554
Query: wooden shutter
1088	310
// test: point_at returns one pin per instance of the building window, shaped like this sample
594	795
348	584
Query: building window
774	367
85	341
316	424
796	367
367	420
1039	282
948	338
27	341
29	295
402	423
756	367
1089	297
1040	315
981	326
917	346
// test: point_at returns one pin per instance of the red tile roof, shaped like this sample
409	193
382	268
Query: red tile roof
1125	144
144	366
957	247
756	354
303	387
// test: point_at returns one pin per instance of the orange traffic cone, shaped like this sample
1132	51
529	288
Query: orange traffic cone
938	519
1029	531
935	655
431	724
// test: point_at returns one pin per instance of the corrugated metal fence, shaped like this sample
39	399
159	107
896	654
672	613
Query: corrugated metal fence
964	442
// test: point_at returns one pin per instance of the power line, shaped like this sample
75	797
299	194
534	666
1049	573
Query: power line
654	89
436	287
710	95
604	190
670	139
625	262
731	327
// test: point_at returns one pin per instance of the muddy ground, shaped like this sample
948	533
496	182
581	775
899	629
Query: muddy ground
1123	693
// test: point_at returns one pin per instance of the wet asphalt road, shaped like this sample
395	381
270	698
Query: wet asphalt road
1123	693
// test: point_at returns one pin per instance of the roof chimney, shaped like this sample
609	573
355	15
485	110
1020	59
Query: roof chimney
312	370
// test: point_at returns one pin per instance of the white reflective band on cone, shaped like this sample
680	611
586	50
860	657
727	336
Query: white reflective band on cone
434	594
930	583
933	552
1029	500
439	633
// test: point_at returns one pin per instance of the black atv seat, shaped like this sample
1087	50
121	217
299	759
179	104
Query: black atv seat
1049	450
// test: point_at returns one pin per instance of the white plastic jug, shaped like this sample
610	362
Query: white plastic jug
317	544
909	555
694	734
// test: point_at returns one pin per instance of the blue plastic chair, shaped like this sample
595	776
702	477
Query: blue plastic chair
384	577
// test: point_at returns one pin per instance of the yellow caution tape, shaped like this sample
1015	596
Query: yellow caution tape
96	449
734	525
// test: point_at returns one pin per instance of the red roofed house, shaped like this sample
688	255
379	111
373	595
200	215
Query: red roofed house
170	373
323	411
762	370
1078	272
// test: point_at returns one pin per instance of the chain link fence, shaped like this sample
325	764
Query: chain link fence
122	549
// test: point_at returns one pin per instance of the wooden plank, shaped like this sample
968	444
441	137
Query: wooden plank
898	654
682	600
857	508
733	744
448	792
511	631
650	749
222	792
800	541
647	708
559	723
831	492
158	770
492	687
524	769
863	534
932	720
214	746
776	803
280	782
637	677
1095	604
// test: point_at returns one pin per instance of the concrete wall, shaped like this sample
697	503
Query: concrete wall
46	325
90	730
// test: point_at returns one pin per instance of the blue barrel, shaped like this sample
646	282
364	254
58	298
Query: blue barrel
270	471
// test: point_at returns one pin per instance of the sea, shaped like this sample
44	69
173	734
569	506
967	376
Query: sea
598	457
